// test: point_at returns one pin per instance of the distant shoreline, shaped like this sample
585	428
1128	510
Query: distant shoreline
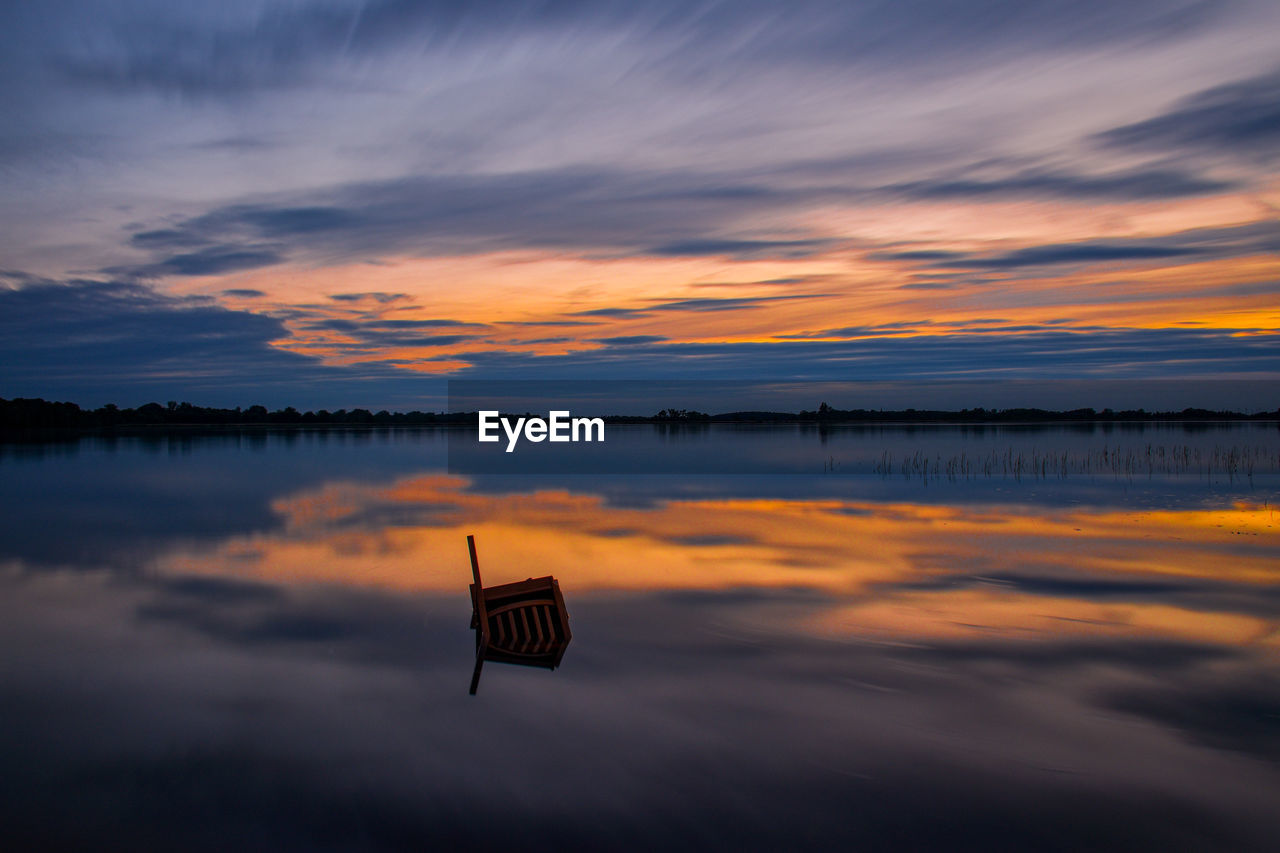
33	417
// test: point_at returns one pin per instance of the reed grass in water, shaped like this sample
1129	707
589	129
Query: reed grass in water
1234	462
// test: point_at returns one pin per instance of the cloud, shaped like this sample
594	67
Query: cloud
842	332
251	51
916	255
436	322
663	103
458	214
1075	253
991	353
165	238
1194	244
394	333
298	220
742	248
1136	185
216	260
1241	118
630	340
914	327
611	130
699	305
618	212
400	339
729	303
624	313
537	323
374	295
95	342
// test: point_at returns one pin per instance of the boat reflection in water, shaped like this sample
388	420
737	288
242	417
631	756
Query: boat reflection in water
524	623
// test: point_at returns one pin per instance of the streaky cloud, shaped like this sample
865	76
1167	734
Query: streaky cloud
1239	118
124	342
216	261
730	303
742	248
1194	244
967	354
375	295
1125	186
1077	253
630	340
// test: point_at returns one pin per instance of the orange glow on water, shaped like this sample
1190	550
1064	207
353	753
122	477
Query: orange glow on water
898	570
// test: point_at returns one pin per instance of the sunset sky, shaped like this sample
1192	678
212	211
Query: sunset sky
343	204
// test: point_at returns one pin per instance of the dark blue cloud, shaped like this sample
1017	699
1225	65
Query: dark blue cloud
612	312
298	220
151	80
742	248
842	332
437	322
377	333
95	342
1120	353
254	50
705	304
536	323
611	211
1077	253
1194	244
166	239
216	260
914	327
629	340
1123	186
1239	118
339	324
113	82
399	339
729	303
375	295
916	255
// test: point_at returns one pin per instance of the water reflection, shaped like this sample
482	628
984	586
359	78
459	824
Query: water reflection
917	570
263	646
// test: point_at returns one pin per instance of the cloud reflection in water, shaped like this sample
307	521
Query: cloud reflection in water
762	670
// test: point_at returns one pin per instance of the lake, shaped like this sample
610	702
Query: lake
1040	637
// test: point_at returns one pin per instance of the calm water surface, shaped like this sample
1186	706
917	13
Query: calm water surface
260	641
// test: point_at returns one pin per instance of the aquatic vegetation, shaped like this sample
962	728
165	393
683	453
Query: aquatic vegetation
1232	461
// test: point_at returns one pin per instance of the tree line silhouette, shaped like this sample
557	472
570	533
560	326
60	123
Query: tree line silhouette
38	414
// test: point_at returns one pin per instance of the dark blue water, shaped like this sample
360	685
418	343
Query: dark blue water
260	640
